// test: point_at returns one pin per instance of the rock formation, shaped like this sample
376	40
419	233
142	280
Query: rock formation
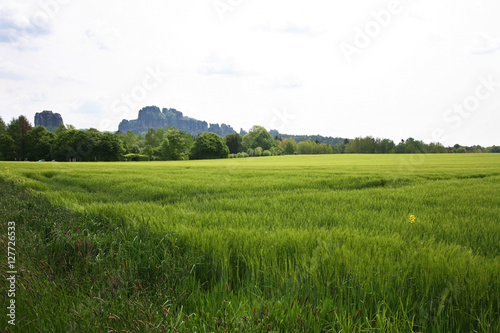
152	116
49	120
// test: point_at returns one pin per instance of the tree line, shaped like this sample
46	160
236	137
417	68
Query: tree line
369	145
20	141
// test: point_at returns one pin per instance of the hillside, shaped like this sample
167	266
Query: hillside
152	116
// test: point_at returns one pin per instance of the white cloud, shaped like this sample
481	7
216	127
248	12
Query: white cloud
19	23
288	28
286	82
104	36
485	44
218	65
11	71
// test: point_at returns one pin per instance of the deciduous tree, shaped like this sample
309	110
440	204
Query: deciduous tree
176	145
17	130
234	142
209	146
38	143
260	137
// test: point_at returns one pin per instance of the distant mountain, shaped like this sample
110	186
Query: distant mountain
152	116
49	120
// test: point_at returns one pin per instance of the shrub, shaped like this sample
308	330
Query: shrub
276	151
136	157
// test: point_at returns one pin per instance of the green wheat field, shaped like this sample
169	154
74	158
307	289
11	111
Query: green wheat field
331	243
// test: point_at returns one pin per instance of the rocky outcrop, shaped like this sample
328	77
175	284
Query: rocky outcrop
153	117
49	120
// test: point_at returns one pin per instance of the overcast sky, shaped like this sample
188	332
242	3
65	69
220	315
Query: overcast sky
428	69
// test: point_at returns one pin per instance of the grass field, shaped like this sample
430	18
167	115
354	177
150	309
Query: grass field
289	243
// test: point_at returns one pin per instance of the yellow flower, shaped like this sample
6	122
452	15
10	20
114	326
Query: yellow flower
412	218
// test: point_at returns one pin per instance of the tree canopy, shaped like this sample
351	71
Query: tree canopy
258	136
209	146
17	130
176	145
234	142
38	143
2	126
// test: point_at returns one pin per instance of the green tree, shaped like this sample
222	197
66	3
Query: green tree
17	130
109	148
360	145
38	143
290	147
74	144
176	145
154	137
260	137
324	148
436	148
306	147
276	151
148	151
384	146
234	142
341	147
494	149
7	147
209	146
2	126
412	146
246	142
129	142
400	148
63	128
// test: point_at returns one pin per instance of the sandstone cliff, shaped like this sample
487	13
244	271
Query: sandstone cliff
152	116
49	120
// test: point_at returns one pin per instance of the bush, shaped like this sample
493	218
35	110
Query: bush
257	151
276	151
136	157
267	153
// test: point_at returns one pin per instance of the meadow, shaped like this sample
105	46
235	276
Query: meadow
330	243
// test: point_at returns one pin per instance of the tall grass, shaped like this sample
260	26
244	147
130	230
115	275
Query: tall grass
298	243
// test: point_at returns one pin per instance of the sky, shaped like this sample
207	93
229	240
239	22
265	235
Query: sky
427	69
